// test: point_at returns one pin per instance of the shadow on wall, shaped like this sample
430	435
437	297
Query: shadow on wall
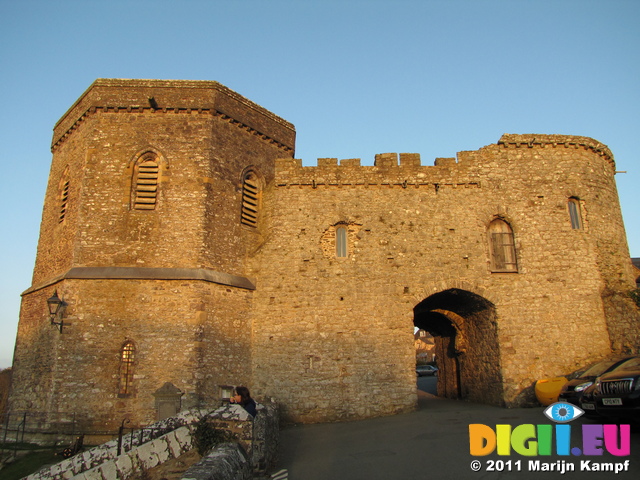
5	385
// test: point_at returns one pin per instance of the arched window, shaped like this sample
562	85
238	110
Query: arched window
127	357
341	241
575	214
63	194
502	247
251	193
144	195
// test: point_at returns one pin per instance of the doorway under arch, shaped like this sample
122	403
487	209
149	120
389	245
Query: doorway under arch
464	327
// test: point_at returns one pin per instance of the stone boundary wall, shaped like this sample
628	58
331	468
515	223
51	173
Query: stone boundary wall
171	432
227	461
266	437
174	437
257	438
139	459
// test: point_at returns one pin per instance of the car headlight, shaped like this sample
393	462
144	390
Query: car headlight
583	386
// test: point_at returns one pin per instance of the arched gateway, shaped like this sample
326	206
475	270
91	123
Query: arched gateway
464	327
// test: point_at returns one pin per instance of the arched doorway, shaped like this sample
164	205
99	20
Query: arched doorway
464	328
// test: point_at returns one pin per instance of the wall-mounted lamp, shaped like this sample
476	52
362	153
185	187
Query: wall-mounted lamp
56	308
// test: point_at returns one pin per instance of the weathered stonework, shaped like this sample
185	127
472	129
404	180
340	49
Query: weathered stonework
229	274
255	450
225	462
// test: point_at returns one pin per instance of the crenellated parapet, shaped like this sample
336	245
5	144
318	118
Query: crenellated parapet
389	169
511	140
406	169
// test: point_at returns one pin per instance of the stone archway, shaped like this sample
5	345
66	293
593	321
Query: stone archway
464	328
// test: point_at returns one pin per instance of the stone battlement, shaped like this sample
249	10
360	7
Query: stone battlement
507	140
510	140
386	171
406	169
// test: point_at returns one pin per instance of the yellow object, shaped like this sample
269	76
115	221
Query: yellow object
547	390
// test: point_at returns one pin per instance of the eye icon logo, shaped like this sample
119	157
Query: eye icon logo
561	412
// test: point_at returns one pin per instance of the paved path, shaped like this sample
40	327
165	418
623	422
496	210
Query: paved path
430	443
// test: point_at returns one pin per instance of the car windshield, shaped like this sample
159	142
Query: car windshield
599	368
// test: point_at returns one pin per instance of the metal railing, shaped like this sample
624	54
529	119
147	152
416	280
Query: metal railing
20	430
136	436
28	430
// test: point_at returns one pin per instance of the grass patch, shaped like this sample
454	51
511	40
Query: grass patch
29	463
20	446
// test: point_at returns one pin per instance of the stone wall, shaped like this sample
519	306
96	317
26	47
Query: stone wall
169	438
255	451
184	332
225	462
332	335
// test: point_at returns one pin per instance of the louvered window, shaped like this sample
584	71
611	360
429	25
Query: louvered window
64	199
250	199
127	357
145	185
502	247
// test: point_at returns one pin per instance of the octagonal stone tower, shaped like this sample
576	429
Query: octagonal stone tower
152	206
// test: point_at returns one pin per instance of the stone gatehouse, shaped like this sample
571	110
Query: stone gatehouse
190	247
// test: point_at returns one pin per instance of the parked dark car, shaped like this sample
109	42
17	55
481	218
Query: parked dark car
573	390
426	370
617	393
587	403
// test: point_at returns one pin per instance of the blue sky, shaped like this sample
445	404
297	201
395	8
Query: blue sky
356	78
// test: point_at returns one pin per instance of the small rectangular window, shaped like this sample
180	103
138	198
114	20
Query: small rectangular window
503	251
341	242
502	247
574	213
226	392
127	357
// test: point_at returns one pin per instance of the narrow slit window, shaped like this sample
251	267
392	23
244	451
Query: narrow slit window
575	214
145	184
127	357
502	247
250	199
341	242
64	195
64	199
